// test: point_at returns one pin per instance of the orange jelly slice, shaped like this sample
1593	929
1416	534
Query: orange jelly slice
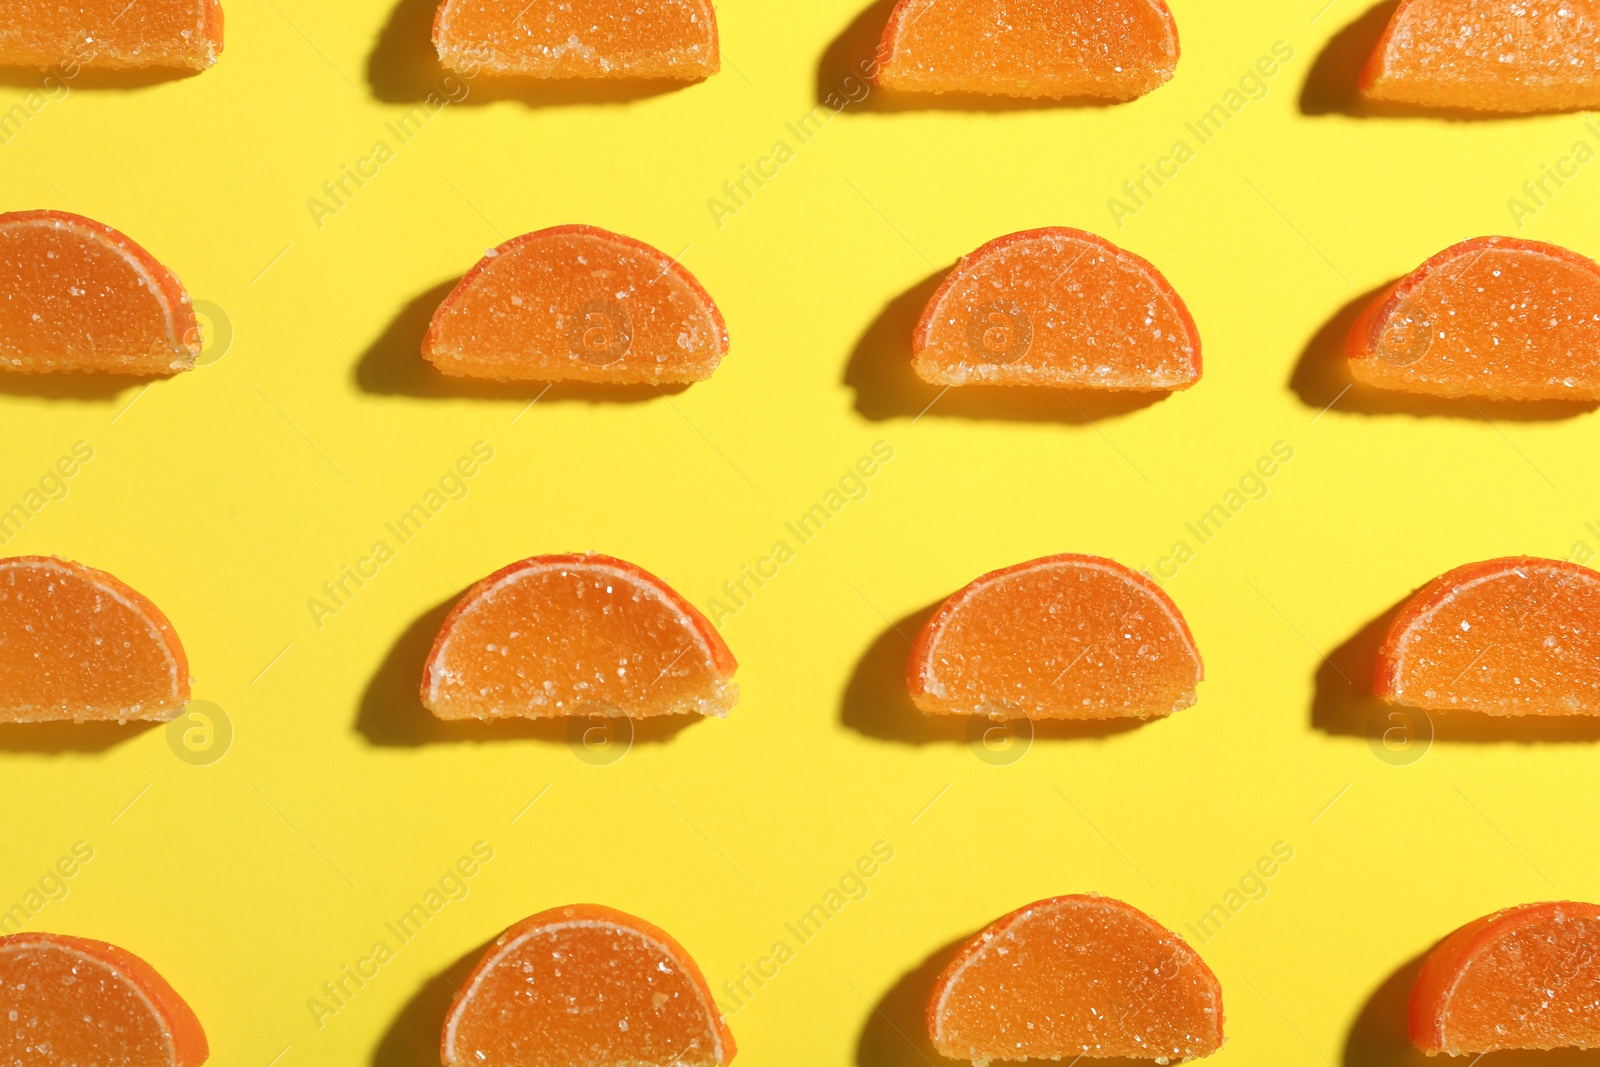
1103	49
1064	637
557	636
1513	636
1076	976
77	644
1524	978
1489	55
76	295
1493	317
585	985
579	38
578	303
1057	307
112	34
72	1002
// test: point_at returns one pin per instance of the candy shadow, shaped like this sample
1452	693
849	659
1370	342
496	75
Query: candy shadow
1322	381
391	714
93	79
53	386
1333	85
393	366
404	68
1343	703
845	69
877	704
59	738
880	372
412	1039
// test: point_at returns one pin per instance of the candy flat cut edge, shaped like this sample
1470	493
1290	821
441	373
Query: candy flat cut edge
685	73
718	654
1369	82
1363	341
972	260
190	1047
972	949
1422	605
921	666
142	606
210	34
155	275
1424	1010
902	10
525	244
592	915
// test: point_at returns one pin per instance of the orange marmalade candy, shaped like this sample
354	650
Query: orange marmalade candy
1524	978
1493	317
585	985
579	38
1057	307
112	34
557	636
1489	55
578	303
1513	636
1076	976
77	644
72	1002
76	295
1104	49
1063	637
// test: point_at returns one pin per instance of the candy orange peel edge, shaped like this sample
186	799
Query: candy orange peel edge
143	988
935	691
946	349
692	57
657	942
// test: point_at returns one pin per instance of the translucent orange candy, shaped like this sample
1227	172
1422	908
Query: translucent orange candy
1513	636
1057	307
1493	317
72	1002
1104	49
585	985
1076	976
77	644
579	38
113	34
1524	978
557	636
1063	637
76	295
1489	55
578	303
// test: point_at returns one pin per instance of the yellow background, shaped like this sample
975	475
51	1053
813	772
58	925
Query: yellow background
229	495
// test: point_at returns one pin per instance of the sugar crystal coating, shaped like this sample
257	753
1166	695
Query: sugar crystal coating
1076	976
71	1002
558	636
75	643
76	295
1489	55
585	985
578	303
579	38
1527	977
1070	637
113	34
1057	307
1513	636
1493	317
1107	49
